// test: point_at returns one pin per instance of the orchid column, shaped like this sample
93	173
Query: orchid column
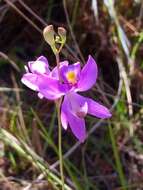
57	42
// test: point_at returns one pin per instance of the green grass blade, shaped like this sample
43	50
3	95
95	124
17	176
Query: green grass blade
117	158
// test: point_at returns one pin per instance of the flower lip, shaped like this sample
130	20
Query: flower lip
68	117
78	105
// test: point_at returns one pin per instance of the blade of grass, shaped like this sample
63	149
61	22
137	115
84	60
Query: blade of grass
72	176
136	46
134	52
13	161
117	158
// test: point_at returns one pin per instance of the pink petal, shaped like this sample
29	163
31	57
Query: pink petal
64	120
51	88
97	109
78	104
39	66
31	81
43	59
88	75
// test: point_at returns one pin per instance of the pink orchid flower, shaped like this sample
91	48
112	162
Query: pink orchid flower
73	79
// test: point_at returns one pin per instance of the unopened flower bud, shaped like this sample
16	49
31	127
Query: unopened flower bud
48	34
62	33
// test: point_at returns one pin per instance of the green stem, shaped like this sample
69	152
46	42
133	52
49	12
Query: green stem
58	64
60	144
58	104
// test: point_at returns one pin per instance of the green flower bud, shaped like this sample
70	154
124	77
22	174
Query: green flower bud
62	33
49	35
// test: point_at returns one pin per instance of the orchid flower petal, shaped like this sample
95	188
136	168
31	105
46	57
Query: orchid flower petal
40	66
88	75
51	88
43	59
64	111
97	109
30	80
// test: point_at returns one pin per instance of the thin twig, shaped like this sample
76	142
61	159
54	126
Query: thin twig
5	89
32	12
4	56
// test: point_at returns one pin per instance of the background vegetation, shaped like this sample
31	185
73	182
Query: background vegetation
112	156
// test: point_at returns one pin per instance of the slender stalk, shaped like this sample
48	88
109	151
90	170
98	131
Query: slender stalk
58	104
60	145
58	64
